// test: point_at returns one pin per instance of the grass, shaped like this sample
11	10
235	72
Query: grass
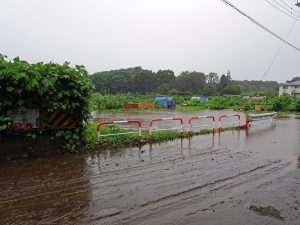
132	140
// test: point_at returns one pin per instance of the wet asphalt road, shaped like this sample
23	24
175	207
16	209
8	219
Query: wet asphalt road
211	179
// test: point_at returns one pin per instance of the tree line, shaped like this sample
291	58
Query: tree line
142	81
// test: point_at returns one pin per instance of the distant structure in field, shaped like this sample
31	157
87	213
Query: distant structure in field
292	89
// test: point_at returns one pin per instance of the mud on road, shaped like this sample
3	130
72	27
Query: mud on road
237	177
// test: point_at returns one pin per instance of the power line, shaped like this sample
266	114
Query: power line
285	8
279	50
289	6
282	11
260	25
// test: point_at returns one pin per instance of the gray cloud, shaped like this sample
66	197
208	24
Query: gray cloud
155	34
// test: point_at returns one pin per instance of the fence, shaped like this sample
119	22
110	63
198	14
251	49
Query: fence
166	119
138	122
226	116
201	117
249	119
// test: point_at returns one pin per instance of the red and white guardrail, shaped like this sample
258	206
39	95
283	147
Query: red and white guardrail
166	119
249	119
201	117
138	122
226	116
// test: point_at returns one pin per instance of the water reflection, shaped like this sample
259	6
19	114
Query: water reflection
55	190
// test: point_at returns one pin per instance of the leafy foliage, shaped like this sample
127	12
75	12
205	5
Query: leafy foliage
140	81
48	87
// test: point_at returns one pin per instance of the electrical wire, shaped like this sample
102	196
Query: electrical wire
286	9
295	18
260	25
278	51
289	6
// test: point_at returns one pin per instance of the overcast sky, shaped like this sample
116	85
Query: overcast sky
201	35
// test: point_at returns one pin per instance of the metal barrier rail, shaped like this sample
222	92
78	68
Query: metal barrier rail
229	115
165	119
119	122
258	117
201	117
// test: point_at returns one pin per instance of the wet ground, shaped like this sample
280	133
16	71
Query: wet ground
237	177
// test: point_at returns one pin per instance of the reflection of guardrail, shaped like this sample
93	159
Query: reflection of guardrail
166	119
201	117
250	118
229	115
138	122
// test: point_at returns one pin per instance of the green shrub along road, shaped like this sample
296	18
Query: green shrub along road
284	103
47	87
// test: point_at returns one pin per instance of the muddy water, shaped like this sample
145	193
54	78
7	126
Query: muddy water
212	179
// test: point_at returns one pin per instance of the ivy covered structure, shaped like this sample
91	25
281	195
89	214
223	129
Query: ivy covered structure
44	99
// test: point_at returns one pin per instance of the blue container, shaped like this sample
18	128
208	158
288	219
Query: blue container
162	101
171	102
203	99
168	102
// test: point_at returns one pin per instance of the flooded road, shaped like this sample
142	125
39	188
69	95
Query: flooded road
211	179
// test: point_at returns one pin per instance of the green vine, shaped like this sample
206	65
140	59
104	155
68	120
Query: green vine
47	87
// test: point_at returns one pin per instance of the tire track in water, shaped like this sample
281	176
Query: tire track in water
145	211
185	170
240	159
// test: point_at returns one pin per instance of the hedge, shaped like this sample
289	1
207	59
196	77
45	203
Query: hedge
47	87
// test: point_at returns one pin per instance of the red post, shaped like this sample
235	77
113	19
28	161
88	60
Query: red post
247	121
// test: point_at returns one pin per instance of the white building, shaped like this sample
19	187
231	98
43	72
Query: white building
290	88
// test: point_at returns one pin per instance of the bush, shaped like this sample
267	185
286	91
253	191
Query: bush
283	102
297	105
47	87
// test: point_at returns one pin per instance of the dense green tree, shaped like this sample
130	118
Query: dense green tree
255	87
224	81
212	78
231	89
165	77
193	82
210	90
139	80
164	89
